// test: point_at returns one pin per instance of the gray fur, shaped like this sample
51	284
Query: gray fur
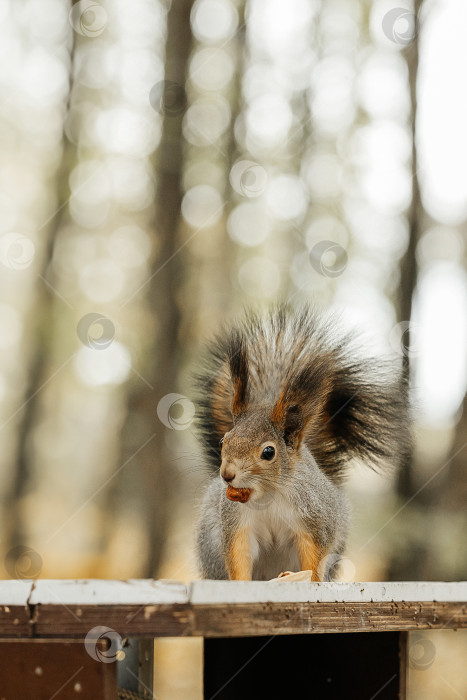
307	497
293	381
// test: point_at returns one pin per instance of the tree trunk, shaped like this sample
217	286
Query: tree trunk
408	265
409	563
143	428
16	529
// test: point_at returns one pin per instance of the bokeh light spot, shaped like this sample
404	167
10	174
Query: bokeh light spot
202	206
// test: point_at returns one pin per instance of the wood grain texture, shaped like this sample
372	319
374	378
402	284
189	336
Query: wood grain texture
223	608
15	621
15	614
258	619
47	669
127	620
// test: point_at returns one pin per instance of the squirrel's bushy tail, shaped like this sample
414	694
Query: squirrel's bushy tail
301	367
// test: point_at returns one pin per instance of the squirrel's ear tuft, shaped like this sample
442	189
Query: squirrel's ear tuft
238	364
293	425
288	418
301	405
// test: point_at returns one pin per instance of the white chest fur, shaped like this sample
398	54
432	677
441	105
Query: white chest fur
272	523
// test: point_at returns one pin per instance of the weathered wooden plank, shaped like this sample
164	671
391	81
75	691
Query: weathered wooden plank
258	619
301	592
14	610
247	619
148	591
15	622
15	592
225	608
53	669
136	608
126	620
106	592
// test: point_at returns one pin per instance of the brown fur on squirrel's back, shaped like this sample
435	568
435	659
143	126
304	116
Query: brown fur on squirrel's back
354	406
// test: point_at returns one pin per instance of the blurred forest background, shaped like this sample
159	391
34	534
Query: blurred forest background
164	164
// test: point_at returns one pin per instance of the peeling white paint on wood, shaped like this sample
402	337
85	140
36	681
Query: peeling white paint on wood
205	592
15	592
159	592
106	592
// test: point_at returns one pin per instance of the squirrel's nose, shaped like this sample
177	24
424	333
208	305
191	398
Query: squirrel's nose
228	476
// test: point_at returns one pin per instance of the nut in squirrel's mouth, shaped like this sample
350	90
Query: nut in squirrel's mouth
238	495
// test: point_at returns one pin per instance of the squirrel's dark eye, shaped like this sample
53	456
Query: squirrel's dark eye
268	453
221	441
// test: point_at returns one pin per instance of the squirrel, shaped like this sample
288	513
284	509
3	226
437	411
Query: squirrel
285	401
